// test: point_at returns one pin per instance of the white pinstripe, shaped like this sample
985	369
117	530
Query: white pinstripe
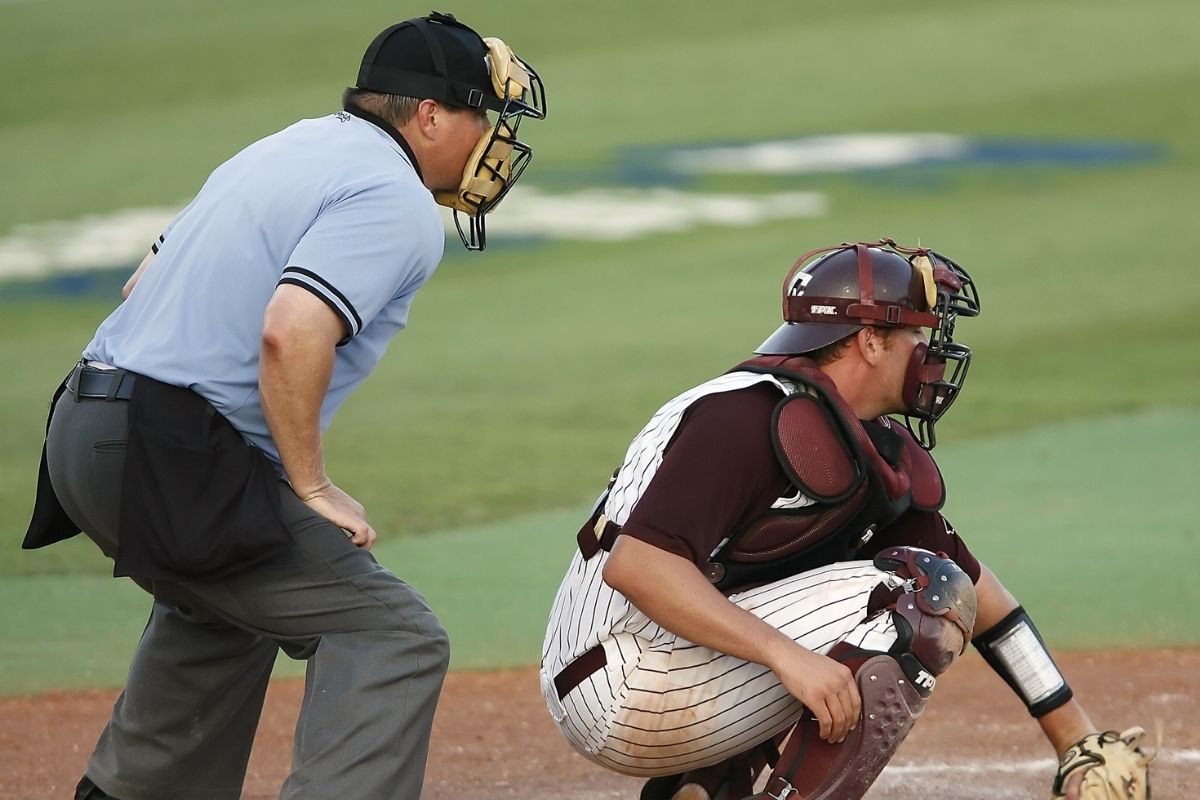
662	704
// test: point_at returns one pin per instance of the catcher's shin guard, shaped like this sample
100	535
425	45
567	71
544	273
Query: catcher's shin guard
811	768
933	614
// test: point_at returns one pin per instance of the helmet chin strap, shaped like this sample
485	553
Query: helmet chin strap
927	392
922	379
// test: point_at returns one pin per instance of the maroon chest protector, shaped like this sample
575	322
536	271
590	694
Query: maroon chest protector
861	475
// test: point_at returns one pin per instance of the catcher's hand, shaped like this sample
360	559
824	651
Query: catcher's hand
1116	768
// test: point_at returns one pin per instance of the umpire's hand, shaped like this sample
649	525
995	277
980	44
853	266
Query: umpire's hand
342	510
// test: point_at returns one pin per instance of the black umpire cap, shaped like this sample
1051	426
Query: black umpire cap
435	57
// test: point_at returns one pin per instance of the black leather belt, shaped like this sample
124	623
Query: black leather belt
579	670
100	384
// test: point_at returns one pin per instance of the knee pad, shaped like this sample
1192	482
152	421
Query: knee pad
813	769
934	611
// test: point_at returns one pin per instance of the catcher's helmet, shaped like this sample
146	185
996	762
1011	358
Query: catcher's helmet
832	292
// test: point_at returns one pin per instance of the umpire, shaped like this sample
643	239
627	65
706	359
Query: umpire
187	442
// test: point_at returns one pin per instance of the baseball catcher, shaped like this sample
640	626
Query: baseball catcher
766	592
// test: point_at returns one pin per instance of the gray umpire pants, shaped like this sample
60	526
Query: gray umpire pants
184	725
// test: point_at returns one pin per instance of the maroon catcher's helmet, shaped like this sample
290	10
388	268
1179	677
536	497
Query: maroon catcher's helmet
832	292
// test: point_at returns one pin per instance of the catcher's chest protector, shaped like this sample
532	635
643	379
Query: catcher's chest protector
861	477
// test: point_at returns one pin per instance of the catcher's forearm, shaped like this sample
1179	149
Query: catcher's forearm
992	601
1010	643
1092	765
1065	725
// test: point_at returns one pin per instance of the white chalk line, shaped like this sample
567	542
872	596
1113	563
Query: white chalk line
982	767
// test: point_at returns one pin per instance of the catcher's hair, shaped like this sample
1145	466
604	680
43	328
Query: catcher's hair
834	350
395	108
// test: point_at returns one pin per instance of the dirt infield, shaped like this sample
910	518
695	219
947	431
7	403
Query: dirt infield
492	738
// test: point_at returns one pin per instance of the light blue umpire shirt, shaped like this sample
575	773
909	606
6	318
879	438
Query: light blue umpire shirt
333	205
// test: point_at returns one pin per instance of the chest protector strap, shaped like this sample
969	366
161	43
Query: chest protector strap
861	477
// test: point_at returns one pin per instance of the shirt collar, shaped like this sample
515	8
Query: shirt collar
390	130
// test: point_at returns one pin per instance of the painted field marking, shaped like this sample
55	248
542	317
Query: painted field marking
122	238
981	767
654	205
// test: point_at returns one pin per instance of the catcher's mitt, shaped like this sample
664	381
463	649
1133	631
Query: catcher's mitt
1117	769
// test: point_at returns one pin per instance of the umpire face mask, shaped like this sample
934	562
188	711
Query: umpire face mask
500	157
439	58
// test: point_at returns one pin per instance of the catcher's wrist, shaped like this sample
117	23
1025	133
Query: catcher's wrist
1015	650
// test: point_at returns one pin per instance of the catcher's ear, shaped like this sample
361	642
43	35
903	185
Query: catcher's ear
872	344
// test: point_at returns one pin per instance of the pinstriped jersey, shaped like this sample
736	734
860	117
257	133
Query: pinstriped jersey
586	611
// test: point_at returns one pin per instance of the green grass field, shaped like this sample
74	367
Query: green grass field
498	415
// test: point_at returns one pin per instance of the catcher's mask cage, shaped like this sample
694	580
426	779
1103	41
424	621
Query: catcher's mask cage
828	296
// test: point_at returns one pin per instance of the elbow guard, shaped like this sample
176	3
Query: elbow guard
1015	650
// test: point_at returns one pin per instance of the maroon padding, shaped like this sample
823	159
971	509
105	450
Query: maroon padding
818	770
816	456
928	489
923	382
936	641
941	592
776	536
897	481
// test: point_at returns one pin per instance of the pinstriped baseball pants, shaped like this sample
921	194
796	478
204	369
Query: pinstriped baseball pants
675	706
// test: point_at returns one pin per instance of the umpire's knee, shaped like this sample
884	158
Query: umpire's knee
438	646
415	630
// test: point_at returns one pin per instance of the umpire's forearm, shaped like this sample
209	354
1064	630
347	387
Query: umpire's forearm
295	368
136	276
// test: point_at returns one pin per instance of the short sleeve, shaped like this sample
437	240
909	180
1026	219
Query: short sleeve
928	530
366	249
162	237
718	473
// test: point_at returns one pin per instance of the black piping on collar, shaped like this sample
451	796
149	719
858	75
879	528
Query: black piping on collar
390	130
